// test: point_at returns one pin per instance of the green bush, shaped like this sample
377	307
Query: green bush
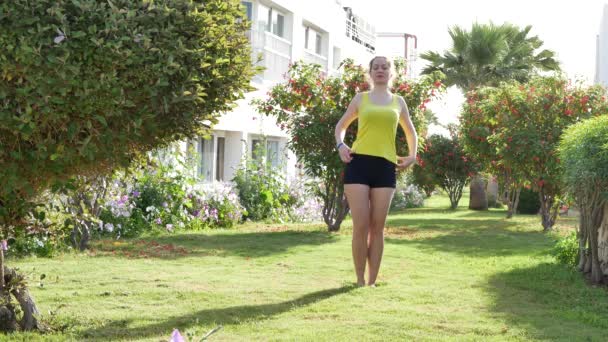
86	85
529	203
447	164
565	250
583	154
423	179
263	191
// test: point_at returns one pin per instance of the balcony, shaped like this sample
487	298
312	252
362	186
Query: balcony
361	33
275	51
313	58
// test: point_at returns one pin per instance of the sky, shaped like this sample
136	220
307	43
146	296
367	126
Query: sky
568	27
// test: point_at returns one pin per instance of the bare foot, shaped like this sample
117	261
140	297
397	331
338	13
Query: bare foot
360	283
371	285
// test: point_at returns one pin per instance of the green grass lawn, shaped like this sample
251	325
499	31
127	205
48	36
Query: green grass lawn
446	275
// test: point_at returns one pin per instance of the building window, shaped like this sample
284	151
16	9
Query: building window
337	57
257	153
266	151
318	45
248	9
278	24
272	153
271	20
263	18
205	164
313	40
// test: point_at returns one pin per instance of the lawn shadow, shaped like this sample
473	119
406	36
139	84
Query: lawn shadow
478	238
120	329
551	302
245	244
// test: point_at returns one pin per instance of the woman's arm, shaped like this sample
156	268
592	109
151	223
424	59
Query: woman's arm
410	134
349	116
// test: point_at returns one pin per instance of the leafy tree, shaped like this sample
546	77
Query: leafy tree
583	151
485	56
446	162
87	85
527	122
489	54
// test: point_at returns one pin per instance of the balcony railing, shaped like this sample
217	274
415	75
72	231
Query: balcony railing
275	52
311	57
361	34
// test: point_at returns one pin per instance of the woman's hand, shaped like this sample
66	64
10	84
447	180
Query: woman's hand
345	153
405	162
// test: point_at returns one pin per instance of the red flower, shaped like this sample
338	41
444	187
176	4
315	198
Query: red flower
568	112
437	84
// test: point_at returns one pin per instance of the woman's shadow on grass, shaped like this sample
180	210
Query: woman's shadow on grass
120	329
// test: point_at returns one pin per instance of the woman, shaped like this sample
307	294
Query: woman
370	174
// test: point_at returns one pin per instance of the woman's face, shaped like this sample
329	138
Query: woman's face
381	71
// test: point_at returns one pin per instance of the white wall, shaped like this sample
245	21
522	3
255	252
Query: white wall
602	52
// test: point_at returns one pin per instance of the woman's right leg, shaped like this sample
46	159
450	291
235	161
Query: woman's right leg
357	196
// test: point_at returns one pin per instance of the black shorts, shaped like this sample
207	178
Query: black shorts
376	172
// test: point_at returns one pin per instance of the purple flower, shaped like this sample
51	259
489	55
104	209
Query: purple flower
196	213
123	199
176	337
165	204
169	227
136	193
158	221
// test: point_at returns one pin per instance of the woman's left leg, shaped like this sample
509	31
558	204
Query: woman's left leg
380	202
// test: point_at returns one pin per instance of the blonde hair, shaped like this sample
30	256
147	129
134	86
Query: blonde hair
391	67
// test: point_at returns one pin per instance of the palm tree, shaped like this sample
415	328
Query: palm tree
489	54
485	56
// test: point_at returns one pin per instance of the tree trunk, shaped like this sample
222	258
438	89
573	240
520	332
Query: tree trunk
492	192
548	211
597	218
25	300
583	237
603	242
335	206
478	199
512	201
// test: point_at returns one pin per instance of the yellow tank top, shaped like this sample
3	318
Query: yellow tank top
377	129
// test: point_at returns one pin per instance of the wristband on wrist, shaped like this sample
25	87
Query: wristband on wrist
339	145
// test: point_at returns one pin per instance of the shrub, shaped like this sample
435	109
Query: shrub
263	191
218	206
529	202
307	206
87	85
424	180
565	250
444	159
407	196
583	155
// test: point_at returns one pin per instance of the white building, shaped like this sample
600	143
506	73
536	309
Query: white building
601	65
283	31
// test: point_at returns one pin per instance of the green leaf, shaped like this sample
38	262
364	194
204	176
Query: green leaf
102	120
